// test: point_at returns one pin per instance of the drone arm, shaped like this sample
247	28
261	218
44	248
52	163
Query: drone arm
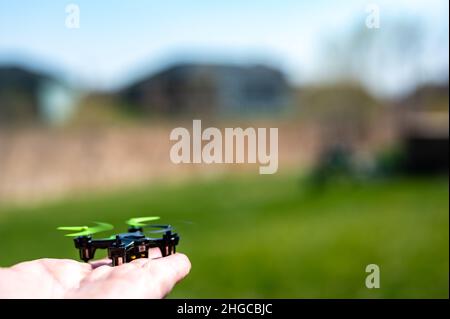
87	246
102	243
167	244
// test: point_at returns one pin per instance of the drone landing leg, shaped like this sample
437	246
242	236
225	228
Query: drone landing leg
87	251
86	254
117	255
117	261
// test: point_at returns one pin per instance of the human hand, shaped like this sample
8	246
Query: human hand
152	277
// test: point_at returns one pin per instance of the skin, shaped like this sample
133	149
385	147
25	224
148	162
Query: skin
152	277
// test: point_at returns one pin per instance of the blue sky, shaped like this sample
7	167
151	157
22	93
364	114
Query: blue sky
119	39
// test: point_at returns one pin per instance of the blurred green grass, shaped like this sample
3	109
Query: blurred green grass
270	236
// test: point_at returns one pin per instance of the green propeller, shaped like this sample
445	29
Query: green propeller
86	230
141	221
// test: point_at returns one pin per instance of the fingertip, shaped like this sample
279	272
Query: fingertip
175	266
168	271
184	262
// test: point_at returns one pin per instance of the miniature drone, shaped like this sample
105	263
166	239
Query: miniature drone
124	247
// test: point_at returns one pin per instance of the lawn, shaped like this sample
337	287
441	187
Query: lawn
270	236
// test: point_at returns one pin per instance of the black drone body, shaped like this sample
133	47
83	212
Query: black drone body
125	247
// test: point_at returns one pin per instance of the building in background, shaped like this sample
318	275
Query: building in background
28	97
210	90
423	121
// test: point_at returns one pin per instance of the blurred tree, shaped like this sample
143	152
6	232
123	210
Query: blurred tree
389	59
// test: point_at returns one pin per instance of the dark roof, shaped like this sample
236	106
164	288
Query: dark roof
189	70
